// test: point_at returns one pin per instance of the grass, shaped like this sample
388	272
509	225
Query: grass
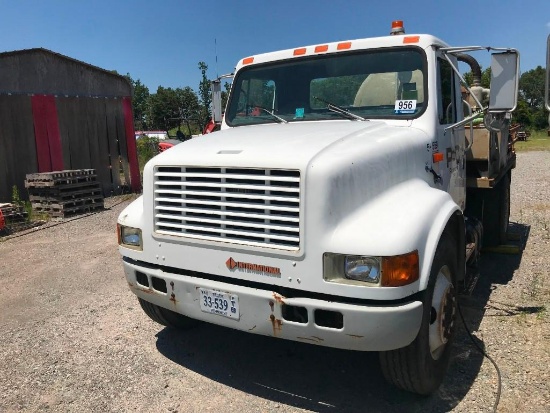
538	141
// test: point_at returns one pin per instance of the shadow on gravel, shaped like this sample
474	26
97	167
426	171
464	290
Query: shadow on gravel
494	269
322	379
303	376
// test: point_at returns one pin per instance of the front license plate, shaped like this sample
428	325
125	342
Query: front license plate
216	302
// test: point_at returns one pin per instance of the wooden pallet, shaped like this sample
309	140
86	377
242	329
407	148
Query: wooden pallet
67	211
67	203
13	215
39	195
65	193
52	179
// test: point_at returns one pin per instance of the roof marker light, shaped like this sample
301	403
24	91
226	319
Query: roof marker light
411	39
321	48
344	46
300	51
248	60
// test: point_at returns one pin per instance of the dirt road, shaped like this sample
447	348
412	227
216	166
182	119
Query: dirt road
73	337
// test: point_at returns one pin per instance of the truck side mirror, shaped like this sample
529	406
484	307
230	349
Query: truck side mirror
504	81
216	89
547	88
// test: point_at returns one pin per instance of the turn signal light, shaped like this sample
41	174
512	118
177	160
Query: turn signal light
400	270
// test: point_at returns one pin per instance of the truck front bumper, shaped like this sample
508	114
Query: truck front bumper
327	323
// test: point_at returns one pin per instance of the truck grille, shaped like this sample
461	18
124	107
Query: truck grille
257	207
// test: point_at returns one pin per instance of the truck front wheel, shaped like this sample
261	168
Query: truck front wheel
420	367
166	317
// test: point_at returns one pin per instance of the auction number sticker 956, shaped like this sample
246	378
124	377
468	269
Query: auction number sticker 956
405	106
216	302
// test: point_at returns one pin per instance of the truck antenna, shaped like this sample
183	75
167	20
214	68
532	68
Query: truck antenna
216	53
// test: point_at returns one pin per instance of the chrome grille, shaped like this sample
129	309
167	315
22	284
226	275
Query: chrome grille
258	207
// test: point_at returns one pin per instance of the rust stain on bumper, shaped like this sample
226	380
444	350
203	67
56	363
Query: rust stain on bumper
173	295
278	298
277	325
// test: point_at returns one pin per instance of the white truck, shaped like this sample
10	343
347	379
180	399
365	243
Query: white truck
333	206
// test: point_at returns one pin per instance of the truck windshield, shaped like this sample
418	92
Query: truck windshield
382	83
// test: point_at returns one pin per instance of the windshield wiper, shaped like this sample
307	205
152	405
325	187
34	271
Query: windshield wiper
338	109
266	110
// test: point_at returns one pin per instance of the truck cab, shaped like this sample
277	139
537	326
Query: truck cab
330	207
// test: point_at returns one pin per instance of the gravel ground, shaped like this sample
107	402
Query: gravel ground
73	337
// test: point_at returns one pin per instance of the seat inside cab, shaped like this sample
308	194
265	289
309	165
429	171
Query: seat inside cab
383	89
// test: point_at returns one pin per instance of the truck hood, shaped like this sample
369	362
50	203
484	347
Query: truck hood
291	145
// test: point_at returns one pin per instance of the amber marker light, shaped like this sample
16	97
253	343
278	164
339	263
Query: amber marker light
400	270
321	48
248	60
411	39
438	157
344	46
300	52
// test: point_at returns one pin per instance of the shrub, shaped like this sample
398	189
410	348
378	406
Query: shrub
146	148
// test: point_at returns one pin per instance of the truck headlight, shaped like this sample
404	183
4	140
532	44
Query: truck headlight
392	271
129	237
366	269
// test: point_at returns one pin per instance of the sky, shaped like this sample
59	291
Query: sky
161	42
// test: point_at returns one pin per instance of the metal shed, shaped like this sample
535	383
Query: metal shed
57	113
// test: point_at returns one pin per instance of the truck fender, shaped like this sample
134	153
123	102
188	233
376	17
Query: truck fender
132	215
410	216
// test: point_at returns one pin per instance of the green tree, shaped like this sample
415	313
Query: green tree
170	107
522	114
531	87
485	78
531	99
140	103
204	95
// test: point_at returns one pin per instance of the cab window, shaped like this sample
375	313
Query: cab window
446	82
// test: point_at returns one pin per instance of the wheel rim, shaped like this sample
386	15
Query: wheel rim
442	312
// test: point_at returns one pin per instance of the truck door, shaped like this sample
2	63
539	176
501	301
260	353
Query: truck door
450	142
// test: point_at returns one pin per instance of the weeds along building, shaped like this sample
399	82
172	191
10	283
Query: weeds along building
57	113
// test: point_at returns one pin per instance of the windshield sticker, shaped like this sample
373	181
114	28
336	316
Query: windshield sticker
405	106
299	114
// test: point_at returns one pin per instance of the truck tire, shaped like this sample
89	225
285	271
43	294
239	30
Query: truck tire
492	208
166	317
420	367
